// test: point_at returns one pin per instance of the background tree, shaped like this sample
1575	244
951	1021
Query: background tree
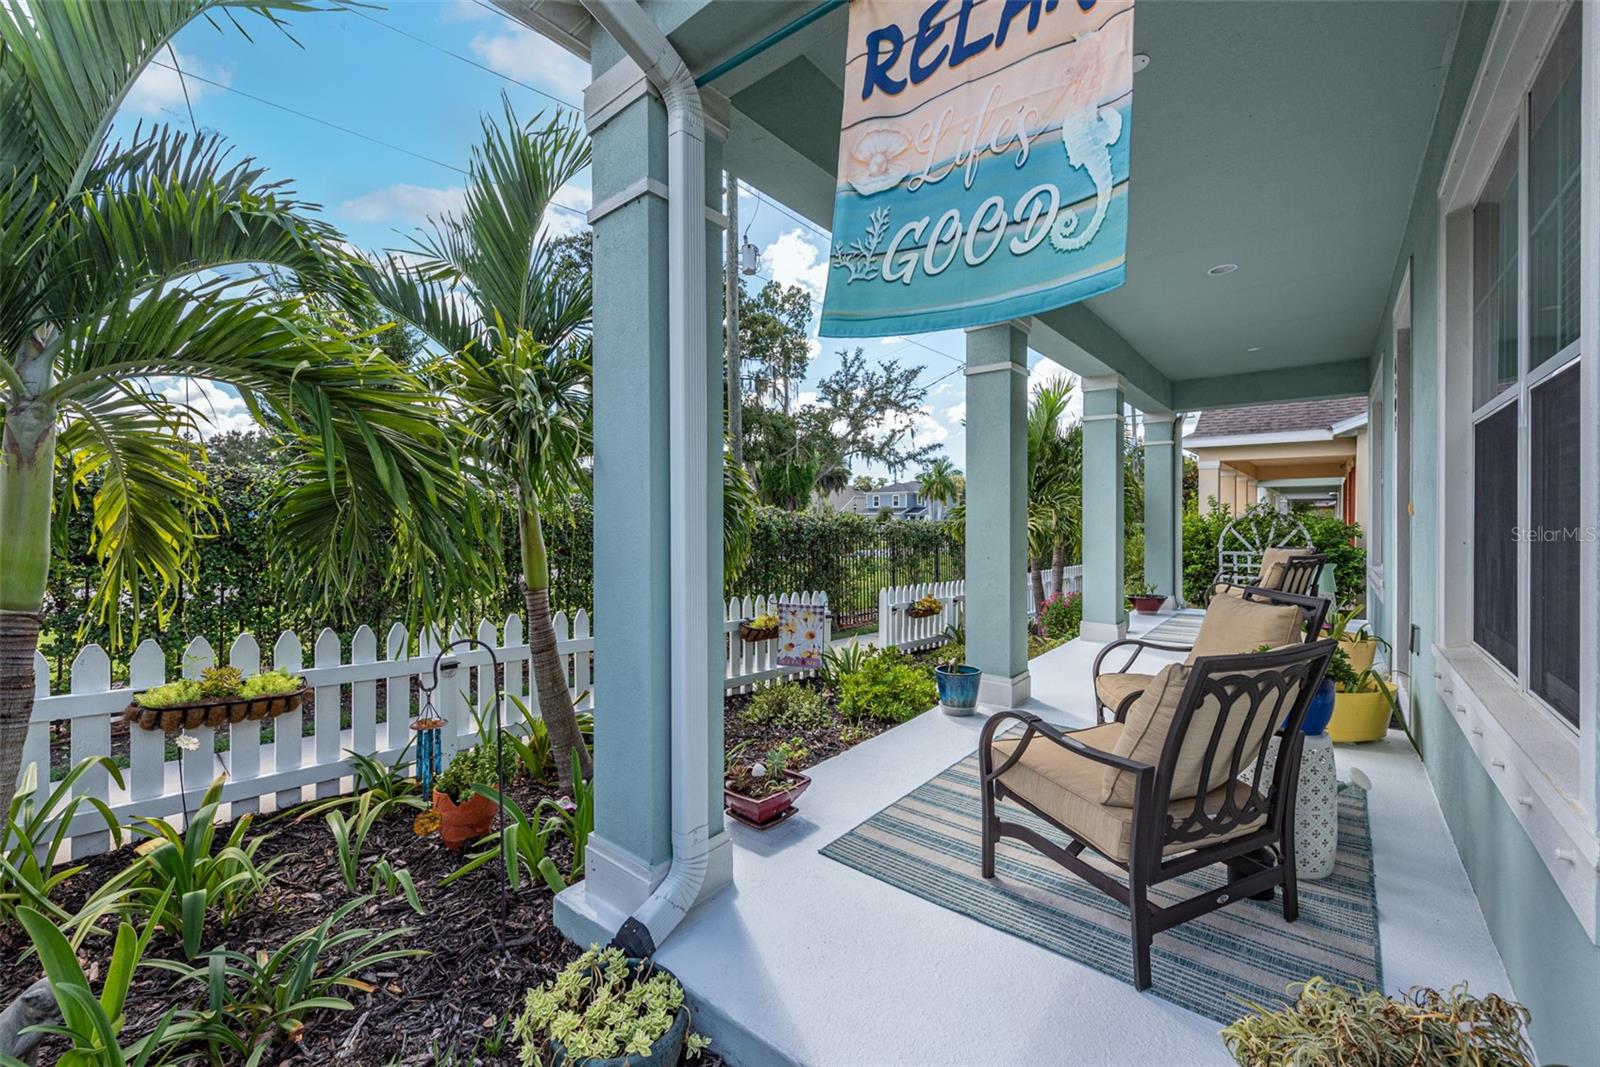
941	483
773	338
487	289
124	262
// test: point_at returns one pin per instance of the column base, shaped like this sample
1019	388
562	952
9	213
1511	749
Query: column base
615	884
1103	632
996	691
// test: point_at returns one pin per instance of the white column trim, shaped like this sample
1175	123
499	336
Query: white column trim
990	368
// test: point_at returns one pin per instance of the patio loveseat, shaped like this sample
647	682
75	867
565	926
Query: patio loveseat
1161	794
1232	624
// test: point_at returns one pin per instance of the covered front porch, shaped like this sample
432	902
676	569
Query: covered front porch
805	960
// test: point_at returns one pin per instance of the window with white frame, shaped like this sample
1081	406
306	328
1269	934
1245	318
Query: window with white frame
877	501
1526	363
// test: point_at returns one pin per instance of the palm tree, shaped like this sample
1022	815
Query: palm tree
514	336
1055	483
125	262
941	483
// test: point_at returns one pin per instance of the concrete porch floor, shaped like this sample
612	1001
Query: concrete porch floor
805	961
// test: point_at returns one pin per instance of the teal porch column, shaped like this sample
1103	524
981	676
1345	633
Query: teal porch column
631	848
1163	503
997	511
1105	616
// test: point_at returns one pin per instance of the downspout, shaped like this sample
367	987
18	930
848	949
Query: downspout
688	464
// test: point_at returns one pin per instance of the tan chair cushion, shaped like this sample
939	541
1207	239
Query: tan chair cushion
1065	786
1233	625
1150	720
1275	564
1113	689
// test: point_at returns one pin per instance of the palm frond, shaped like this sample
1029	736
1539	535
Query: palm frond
127	447
75	60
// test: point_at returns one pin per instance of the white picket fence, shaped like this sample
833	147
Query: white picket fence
897	629
1071	582
276	773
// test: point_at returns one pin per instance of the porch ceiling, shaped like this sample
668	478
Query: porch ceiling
1281	135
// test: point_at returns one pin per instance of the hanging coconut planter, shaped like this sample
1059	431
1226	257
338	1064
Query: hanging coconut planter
760	628
925	608
221	695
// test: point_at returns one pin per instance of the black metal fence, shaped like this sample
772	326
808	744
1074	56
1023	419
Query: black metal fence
849	557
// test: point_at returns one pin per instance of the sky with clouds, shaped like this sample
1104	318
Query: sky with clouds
373	113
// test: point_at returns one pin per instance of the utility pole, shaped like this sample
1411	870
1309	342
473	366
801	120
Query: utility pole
730	301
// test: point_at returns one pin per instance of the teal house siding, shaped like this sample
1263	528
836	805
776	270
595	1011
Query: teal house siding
1553	966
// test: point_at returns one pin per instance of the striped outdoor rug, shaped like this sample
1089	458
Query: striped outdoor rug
927	844
1180	629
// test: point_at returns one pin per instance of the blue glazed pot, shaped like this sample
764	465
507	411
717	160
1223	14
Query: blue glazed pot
958	688
1320	711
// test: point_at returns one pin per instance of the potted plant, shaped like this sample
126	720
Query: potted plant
761	628
1363	701
606	1010
958	685
925	607
1329	1023
1144	598
762	792
219	696
1361	645
464	811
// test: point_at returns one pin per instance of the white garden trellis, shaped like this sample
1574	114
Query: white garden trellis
272	774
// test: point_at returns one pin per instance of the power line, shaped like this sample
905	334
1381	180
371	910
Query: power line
307	116
465	59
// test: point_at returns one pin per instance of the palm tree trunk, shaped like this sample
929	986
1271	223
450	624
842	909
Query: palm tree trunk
549	671
1038	594
1058	568
27	467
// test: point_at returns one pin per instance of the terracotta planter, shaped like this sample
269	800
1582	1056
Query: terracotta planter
766	811
1147	605
460	823
1359	717
1361	653
212	712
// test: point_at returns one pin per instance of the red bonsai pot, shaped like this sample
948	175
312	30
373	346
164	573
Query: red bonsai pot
767	810
460	823
1147	605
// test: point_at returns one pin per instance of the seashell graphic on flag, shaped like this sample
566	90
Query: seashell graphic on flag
983	162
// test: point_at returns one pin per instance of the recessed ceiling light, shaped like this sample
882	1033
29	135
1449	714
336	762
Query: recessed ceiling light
1254	348
1222	268
1140	61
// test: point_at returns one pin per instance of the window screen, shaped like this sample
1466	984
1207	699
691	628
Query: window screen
1555	135
1494	552
1554	539
1494	280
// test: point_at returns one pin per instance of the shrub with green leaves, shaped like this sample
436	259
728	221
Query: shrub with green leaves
1329	1025
181	879
788	705
888	687
600	1008
838	662
254	1002
471	768
32	830
1063	616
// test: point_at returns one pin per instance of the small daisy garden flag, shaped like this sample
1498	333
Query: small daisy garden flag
800	635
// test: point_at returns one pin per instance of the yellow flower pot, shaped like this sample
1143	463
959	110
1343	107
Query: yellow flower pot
1359	717
1361	653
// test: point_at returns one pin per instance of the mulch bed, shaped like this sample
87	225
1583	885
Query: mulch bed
821	741
452	1000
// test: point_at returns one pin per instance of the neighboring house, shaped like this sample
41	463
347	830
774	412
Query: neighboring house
1311	452
902	500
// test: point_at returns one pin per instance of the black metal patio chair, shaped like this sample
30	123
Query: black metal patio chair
1161	795
1230	626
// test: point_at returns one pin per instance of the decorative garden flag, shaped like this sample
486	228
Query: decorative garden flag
983	162
800	635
